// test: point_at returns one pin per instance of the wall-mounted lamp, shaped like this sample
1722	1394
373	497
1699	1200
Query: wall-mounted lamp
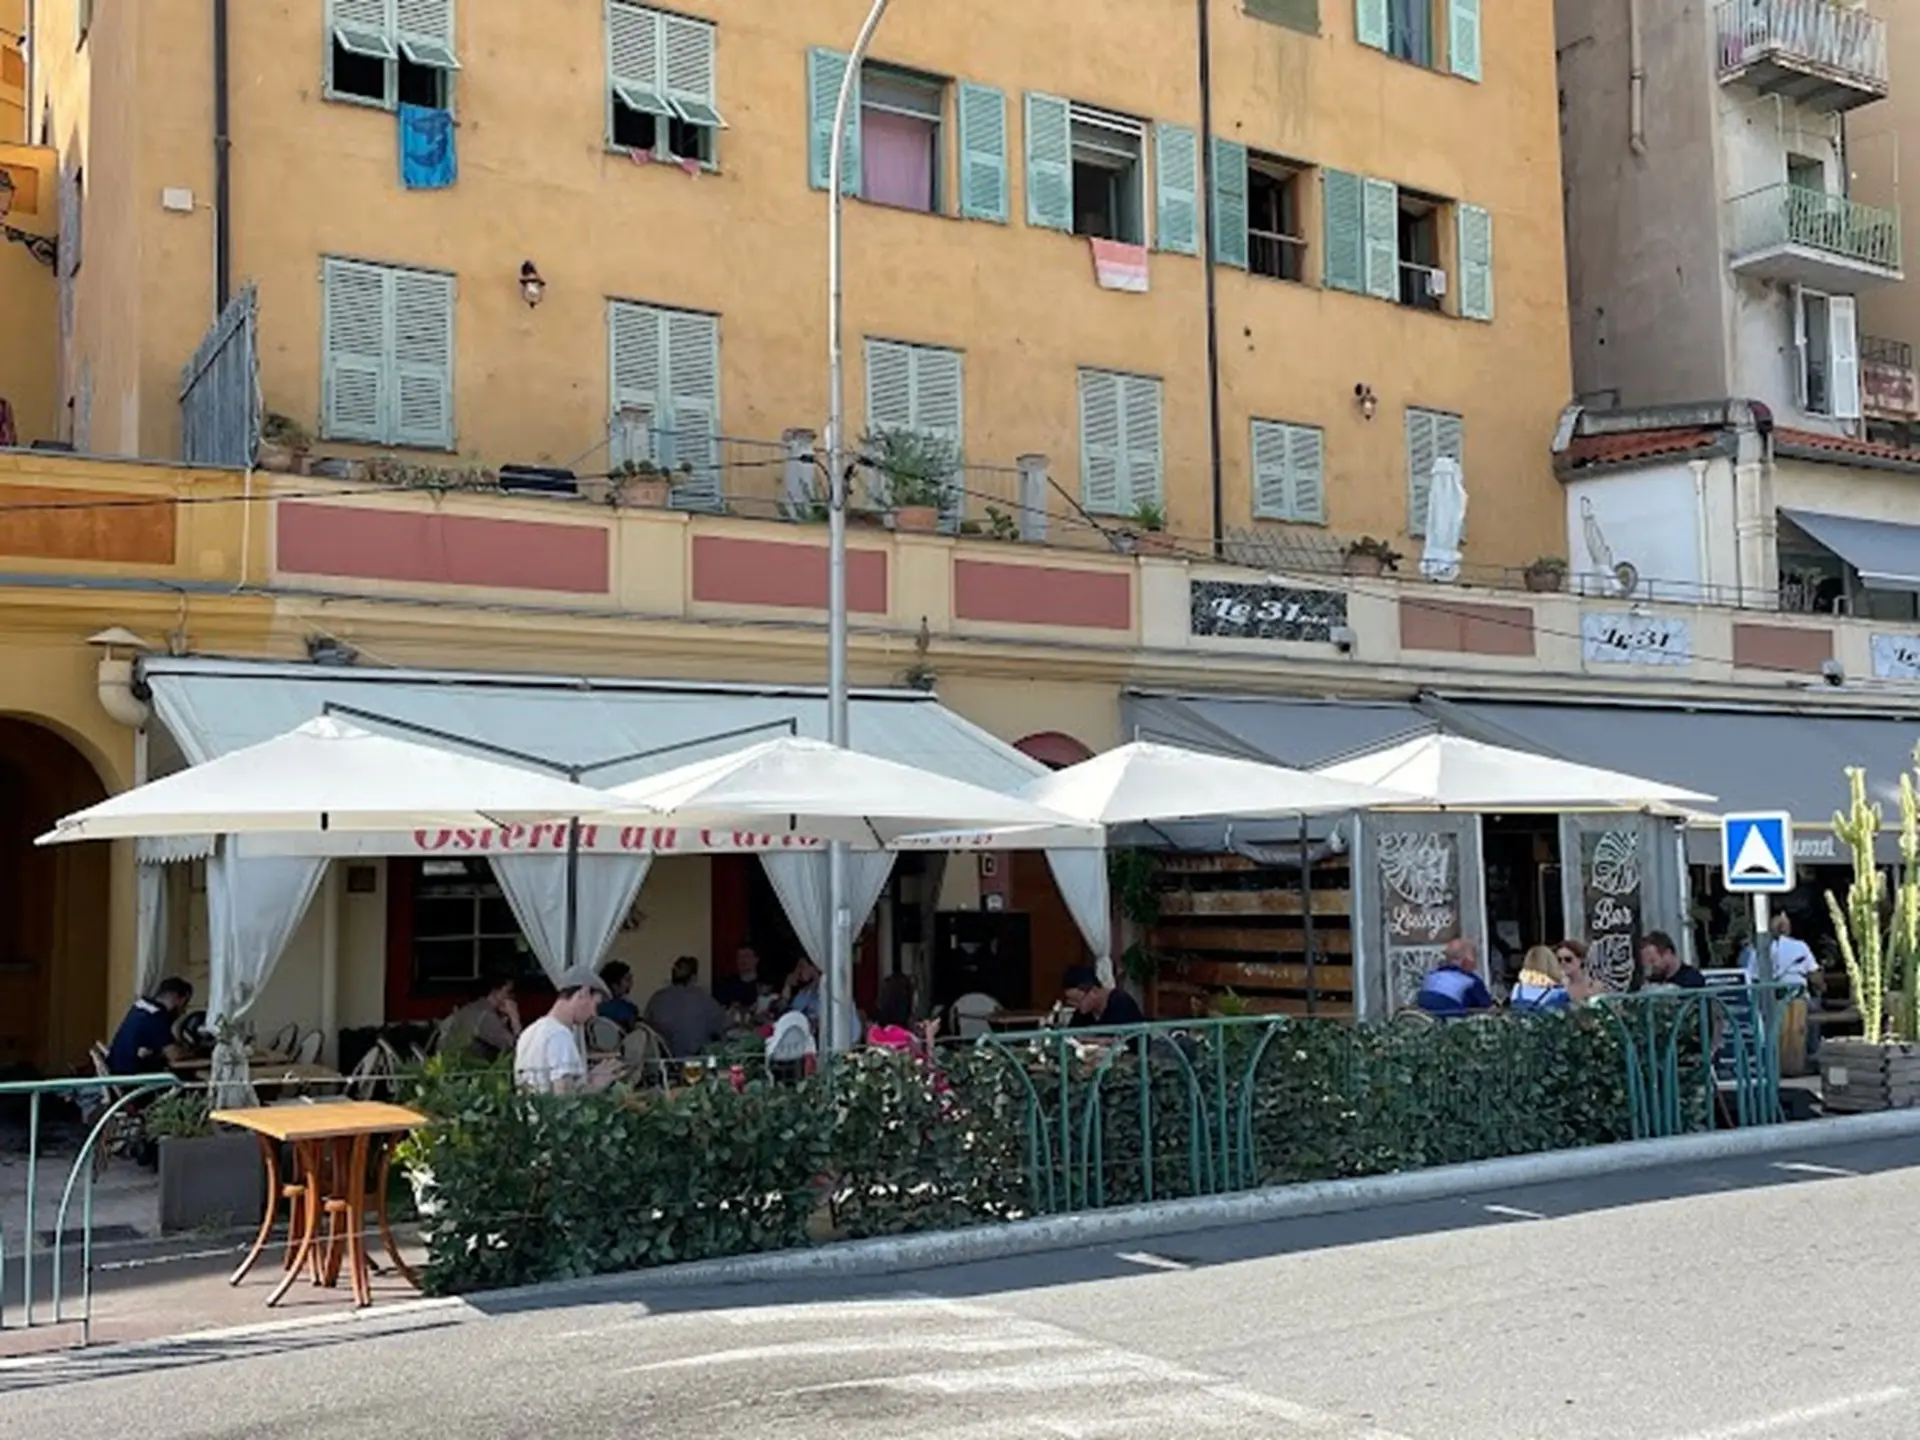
533	289
1365	398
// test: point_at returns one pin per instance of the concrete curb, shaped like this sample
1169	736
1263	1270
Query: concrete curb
1212	1212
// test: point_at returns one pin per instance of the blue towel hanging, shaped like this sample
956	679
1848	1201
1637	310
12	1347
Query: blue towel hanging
427	158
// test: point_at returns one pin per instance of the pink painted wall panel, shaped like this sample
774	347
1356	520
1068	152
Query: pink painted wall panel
440	549
730	571
1042	595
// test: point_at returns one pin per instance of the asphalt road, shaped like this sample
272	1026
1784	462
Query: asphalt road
1775	1296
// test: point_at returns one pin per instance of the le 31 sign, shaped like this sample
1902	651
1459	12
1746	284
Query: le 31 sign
1231	610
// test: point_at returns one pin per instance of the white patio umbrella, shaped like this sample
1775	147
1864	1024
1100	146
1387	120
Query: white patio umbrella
809	788
1450	772
329	775
1144	782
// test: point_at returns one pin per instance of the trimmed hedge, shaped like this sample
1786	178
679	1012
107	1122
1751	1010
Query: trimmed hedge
527	1188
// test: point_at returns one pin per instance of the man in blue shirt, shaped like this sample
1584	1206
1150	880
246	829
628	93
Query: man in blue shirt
1453	987
618	1006
142	1044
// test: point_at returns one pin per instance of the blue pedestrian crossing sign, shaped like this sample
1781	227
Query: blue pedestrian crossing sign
1756	853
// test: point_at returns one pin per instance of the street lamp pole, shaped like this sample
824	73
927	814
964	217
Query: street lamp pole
837	978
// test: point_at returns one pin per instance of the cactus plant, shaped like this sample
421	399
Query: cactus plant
1881	955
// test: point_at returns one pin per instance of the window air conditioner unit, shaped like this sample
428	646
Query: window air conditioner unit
1437	283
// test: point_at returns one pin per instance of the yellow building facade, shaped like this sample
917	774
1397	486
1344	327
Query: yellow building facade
996	141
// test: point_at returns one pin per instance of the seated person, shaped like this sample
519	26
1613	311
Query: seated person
486	1027
144	1042
741	990
801	993
687	1017
1542	984
1454	986
618	1006
893	1026
1097	1004
547	1057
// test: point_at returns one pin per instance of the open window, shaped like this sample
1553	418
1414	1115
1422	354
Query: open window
660	84
1423	283
1827	354
900	138
1108	178
388	53
1276	234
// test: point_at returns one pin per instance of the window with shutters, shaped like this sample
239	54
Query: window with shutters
900	138
387	350
1086	170
1120	442
664	405
1289	472
662	97
1276	234
1430	435
1827	347
391	52
1423	279
1437	34
916	408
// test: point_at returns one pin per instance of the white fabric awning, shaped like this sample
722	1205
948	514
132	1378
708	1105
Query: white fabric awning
1450	772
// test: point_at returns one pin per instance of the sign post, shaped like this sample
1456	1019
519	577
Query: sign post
1756	858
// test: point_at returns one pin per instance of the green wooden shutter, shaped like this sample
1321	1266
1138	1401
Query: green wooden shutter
1344	212
425	32
693	403
422	372
939	409
1049	162
1176	182
1370	23
1306	475
1230	203
360	27
983	153
1422	447
1140	440
353	403
688	46
1475	227
636	69
1100	442
1271	496
1463	38
889	386
825	69
1381	223
1302	15
636	362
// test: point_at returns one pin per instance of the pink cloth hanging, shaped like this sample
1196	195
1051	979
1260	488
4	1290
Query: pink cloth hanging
896	160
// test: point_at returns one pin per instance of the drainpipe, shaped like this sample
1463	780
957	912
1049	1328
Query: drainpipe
1207	257
222	165
1636	82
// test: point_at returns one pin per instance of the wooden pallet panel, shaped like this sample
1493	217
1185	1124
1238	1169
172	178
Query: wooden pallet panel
1229	975
1253	902
1273	940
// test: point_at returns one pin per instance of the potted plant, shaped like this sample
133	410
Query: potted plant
283	445
1881	950
1150	529
209	1178
641	483
1368	556
1546	575
916	473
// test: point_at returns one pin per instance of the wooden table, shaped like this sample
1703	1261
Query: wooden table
332	1143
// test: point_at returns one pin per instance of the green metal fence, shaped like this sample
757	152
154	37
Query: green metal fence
111	1101
1788	214
1700	1059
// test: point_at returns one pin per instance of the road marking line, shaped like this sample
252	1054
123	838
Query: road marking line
1802	1167
890	1344
1802	1415
1152	1262
1514	1211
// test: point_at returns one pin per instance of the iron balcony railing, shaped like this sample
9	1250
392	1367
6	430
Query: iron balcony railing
1788	214
1842	42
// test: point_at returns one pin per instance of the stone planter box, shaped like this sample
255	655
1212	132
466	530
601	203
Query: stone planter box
211	1182
1860	1075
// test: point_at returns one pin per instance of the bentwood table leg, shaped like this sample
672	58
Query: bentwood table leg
307	1161
270	1155
386	1227
356	1197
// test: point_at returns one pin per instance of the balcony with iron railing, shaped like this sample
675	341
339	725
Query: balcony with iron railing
1802	236
1822	54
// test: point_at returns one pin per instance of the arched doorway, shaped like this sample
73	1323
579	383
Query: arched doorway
1053	937
55	905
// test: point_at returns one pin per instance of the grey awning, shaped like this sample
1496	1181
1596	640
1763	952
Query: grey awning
1887	555
1783	760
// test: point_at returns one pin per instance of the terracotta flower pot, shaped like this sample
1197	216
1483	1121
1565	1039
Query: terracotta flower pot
278	458
1545	582
1360	563
916	519
1155	542
647	492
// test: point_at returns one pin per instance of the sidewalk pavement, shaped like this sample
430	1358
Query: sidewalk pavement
153	1290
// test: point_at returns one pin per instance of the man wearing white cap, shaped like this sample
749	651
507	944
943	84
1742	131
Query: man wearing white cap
548	1057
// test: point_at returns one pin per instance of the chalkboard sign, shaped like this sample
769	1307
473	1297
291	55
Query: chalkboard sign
1419	873
1265	612
1613	893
